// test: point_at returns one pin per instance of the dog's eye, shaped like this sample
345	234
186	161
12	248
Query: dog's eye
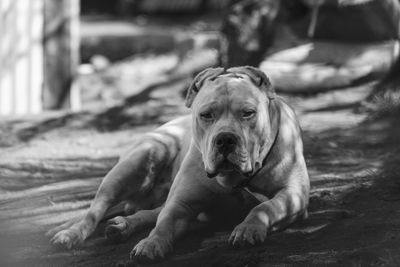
206	115
247	114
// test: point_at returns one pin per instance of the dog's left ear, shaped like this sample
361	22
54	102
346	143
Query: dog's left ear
258	77
198	81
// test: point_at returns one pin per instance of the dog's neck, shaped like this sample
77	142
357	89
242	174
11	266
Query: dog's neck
267	149
274	116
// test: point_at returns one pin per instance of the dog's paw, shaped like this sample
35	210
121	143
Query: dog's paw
117	229
151	249
68	238
61	227
248	234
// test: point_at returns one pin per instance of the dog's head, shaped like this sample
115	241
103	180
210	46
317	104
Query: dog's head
231	119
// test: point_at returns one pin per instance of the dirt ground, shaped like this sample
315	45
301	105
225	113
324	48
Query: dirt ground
50	168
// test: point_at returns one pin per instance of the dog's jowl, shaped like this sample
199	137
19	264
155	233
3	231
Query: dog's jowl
239	136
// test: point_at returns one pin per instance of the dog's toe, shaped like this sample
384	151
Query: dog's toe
150	250
248	234
67	238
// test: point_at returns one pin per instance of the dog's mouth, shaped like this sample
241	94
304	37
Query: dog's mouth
223	167
226	167
229	174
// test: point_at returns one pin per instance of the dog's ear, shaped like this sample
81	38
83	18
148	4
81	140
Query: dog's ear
198	81
258	77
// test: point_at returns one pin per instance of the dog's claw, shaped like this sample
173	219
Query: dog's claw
117	229
67	238
150	249
248	234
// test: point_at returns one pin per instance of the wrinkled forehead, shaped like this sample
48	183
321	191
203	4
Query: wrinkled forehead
236	88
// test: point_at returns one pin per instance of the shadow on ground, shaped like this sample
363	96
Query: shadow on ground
354	207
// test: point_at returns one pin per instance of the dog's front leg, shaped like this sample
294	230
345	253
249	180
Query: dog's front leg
171	223
284	208
187	198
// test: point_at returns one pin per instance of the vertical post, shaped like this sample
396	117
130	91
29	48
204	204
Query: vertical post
8	10
61	51
35	81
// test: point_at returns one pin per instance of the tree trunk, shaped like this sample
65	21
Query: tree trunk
61	50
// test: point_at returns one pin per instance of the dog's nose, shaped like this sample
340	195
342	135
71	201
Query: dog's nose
226	143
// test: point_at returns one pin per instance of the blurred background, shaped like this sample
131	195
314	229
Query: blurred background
81	79
82	54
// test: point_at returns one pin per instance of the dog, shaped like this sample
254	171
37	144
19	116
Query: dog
240	136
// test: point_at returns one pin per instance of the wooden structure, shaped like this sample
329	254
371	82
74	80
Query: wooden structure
38	54
21	55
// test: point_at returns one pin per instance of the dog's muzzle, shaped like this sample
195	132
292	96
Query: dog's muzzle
226	146
226	143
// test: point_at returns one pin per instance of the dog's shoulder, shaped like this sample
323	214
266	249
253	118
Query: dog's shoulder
288	120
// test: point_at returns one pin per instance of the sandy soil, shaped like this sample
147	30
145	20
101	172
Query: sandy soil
50	168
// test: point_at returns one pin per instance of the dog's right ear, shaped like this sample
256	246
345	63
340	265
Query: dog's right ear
198	82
